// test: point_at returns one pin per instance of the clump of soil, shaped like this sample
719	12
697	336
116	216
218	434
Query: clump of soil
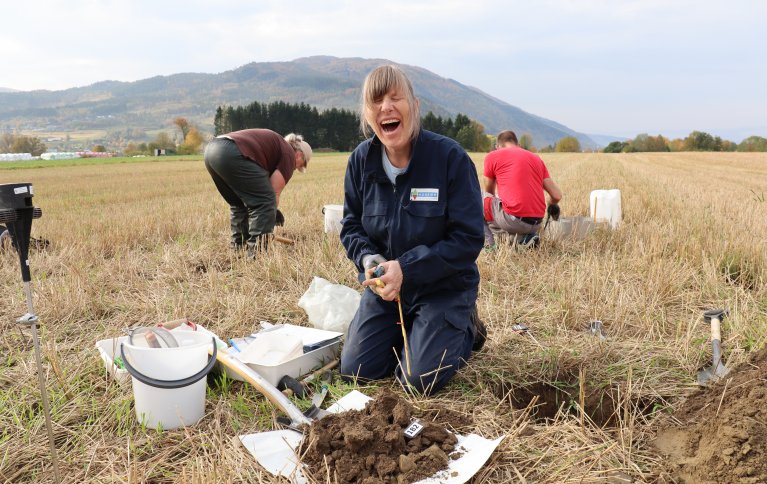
369	446
723	431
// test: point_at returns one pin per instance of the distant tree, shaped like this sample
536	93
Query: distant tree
526	142
568	144
131	149
615	147
753	143
17	143
644	143
183	126
162	141
676	145
6	141
432	123
192	143
99	149
28	144
699	141
472	137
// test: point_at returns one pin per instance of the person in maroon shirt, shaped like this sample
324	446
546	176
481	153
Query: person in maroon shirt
250	169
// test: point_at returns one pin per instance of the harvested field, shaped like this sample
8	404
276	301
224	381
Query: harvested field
141	243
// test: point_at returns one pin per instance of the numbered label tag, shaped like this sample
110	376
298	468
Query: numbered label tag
413	429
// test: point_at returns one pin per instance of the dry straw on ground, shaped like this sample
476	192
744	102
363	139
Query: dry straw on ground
140	243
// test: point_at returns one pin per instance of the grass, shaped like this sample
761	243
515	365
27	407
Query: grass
141	241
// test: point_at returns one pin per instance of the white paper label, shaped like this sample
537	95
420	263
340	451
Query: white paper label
413	430
19	190
424	195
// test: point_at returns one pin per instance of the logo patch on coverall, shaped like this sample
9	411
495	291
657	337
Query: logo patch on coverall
424	195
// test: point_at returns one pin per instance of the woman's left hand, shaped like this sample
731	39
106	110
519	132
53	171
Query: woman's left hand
392	280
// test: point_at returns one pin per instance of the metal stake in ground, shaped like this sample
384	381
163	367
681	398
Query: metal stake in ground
17	212
717	370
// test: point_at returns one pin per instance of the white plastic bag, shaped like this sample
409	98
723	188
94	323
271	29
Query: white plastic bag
330	306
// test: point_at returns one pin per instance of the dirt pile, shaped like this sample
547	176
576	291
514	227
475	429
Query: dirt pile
369	445
723	431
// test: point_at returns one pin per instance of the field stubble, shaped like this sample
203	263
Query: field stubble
140	243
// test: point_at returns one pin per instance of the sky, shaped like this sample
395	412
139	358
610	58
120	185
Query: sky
619	67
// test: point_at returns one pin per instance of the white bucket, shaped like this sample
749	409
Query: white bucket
333	216
169	383
605	206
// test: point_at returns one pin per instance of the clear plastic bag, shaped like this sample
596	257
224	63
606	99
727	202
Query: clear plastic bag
330	306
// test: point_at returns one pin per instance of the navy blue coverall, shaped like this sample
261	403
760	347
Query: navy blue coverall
431	221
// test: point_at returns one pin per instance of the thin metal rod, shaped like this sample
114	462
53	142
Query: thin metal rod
28	294
41	378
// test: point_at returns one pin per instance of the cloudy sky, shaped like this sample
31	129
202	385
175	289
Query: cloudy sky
619	67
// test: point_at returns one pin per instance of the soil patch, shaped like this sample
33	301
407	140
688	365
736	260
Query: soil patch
369	446
723	432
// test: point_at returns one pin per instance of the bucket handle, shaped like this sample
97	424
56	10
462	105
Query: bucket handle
169	384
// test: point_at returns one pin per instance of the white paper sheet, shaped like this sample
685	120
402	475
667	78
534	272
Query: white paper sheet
275	450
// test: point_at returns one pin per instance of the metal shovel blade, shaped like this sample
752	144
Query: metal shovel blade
712	374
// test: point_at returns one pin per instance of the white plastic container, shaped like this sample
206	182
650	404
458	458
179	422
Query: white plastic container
333	216
303	363
572	228
108	349
605	206
186	366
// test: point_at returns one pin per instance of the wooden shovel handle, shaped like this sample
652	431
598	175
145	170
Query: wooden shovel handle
716	331
264	387
284	240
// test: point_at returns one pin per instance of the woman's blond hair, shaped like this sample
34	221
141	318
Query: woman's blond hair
380	81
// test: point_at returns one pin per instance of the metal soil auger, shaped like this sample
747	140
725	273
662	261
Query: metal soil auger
17	212
717	370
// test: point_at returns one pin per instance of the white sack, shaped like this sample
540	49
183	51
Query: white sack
330	306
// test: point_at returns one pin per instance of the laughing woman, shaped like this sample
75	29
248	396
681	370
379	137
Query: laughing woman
412	204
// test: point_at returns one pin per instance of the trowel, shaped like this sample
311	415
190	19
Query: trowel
717	370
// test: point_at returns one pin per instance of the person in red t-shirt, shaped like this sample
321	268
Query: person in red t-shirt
513	198
250	168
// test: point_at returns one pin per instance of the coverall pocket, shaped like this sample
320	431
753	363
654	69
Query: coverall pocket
425	221
374	219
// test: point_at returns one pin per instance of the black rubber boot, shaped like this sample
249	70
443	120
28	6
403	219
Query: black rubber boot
259	245
238	222
480	331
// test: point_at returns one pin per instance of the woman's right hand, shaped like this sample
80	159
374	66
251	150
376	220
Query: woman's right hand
389	284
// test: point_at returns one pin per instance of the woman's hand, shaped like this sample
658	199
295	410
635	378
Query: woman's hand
391	280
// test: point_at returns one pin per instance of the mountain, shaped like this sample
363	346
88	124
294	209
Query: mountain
603	140
7	89
322	81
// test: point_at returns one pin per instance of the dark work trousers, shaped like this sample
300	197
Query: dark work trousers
246	188
439	335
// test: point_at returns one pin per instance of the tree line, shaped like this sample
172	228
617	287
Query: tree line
335	129
695	141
